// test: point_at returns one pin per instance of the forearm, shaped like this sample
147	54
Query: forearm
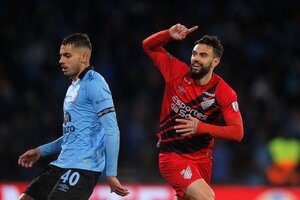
156	41
232	131
112	142
52	147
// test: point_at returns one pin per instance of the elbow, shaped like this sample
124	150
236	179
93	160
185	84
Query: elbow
144	44
240	135
236	133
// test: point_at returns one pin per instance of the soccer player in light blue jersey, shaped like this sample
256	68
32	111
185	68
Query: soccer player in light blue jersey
90	140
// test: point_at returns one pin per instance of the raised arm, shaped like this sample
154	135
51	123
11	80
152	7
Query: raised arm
154	43
153	46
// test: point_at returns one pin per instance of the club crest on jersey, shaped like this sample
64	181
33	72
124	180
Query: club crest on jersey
235	106
181	89
206	104
74	96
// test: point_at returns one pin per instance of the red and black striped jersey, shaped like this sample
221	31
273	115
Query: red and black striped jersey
209	103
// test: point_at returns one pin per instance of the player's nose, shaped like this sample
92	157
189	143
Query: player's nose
60	61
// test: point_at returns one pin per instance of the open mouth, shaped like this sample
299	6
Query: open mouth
196	67
64	68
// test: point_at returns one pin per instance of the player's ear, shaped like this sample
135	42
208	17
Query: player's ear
85	57
215	62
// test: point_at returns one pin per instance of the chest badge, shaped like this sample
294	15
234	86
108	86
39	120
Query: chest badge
74	96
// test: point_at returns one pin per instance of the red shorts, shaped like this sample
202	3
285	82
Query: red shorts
180	172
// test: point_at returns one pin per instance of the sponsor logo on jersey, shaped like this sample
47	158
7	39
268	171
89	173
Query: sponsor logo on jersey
186	173
184	110
67	118
68	129
235	106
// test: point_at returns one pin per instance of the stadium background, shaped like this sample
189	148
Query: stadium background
261	62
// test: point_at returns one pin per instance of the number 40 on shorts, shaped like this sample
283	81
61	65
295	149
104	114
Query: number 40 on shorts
71	177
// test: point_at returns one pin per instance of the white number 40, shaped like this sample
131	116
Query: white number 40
72	177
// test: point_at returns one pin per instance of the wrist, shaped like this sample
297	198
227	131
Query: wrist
167	35
109	178
202	127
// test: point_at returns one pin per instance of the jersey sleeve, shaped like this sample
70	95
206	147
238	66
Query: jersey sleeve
169	66
233	130
51	147
100	96
228	101
112	142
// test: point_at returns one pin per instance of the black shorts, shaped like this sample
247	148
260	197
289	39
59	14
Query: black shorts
62	184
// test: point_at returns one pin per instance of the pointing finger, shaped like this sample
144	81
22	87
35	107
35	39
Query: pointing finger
192	29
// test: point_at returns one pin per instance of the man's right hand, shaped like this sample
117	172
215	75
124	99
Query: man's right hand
179	31
29	157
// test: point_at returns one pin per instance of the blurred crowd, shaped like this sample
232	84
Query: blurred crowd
261	62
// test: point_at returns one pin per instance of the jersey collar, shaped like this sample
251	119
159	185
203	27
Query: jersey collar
81	75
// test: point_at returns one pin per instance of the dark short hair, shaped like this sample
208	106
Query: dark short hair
214	42
78	40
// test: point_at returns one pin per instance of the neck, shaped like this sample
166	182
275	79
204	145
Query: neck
204	80
75	78
78	75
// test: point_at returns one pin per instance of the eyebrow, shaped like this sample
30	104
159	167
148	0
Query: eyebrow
64	54
201	53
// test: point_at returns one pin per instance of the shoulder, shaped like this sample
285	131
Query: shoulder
222	84
95	81
224	90
93	77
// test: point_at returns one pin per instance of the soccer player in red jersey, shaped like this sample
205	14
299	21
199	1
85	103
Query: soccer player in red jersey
195	99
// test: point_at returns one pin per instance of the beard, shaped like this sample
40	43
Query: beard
201	73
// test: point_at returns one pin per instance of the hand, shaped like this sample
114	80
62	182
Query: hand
179	32
29	157
188	126
116	186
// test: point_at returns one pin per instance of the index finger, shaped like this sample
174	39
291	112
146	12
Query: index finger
192	29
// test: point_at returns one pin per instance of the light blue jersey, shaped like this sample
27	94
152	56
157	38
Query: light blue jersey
90	138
